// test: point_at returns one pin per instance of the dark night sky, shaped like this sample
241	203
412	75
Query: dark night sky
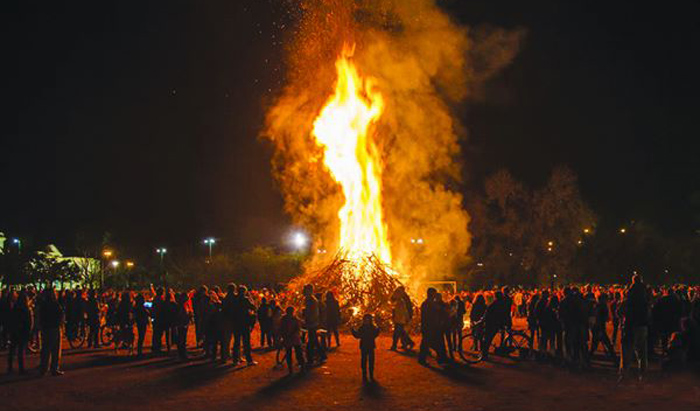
140	118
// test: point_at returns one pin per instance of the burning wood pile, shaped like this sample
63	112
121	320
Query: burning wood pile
362	284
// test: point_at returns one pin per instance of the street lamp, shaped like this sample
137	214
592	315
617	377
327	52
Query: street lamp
210	242
19	244
162	252
115	264
299	240
130	264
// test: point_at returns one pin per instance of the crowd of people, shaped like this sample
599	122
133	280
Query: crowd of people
564	324
569	324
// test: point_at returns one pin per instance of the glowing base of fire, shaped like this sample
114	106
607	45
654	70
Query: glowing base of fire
362	283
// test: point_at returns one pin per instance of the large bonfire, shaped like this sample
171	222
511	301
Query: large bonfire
361	271
365	143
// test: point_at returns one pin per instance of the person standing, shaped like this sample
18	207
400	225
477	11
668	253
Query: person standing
52	318
312	322
367	334
226	320
200	301
141	317
599	329
242	326
157	312
431	329
635	327
92	310
20	328
265	321
401	315
181	323
332	318
290	334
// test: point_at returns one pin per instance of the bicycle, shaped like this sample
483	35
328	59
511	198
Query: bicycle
75	334
506	342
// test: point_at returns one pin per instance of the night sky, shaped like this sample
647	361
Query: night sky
141	118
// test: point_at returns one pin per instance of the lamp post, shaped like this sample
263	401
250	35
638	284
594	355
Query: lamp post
162	251
19	244
106	254
210	242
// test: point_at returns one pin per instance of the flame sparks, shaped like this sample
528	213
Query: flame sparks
343	129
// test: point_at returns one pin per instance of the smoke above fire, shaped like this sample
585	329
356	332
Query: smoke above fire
423	65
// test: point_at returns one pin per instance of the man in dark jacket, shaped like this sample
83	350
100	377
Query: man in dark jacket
265	321
158	313
244	314
92	310
20	325
635	327
431	329
52	318
496	318
226	321
599	330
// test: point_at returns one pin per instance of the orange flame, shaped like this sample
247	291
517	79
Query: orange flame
343	129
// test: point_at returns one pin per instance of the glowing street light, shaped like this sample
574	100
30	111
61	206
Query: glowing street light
107	253
210	242
623	230
130	264
115	264
299	240
19	244
586	230
162	252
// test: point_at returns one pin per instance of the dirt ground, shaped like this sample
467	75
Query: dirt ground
99	379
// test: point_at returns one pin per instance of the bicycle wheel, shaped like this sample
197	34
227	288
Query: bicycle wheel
520	344
107	335
470	352
76	338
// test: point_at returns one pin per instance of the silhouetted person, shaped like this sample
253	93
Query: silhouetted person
265	322
158	312
635	327
141	318
214	330
227	319
367	334
401	315
52	317
475	315
332	318
290	334
20	328
200	302
92	310
431	329
599	329
496	318
312	322
181	323
243	325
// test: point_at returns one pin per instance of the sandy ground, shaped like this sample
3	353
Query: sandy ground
99	379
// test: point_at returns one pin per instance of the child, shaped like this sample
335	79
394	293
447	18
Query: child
367	333
290	332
